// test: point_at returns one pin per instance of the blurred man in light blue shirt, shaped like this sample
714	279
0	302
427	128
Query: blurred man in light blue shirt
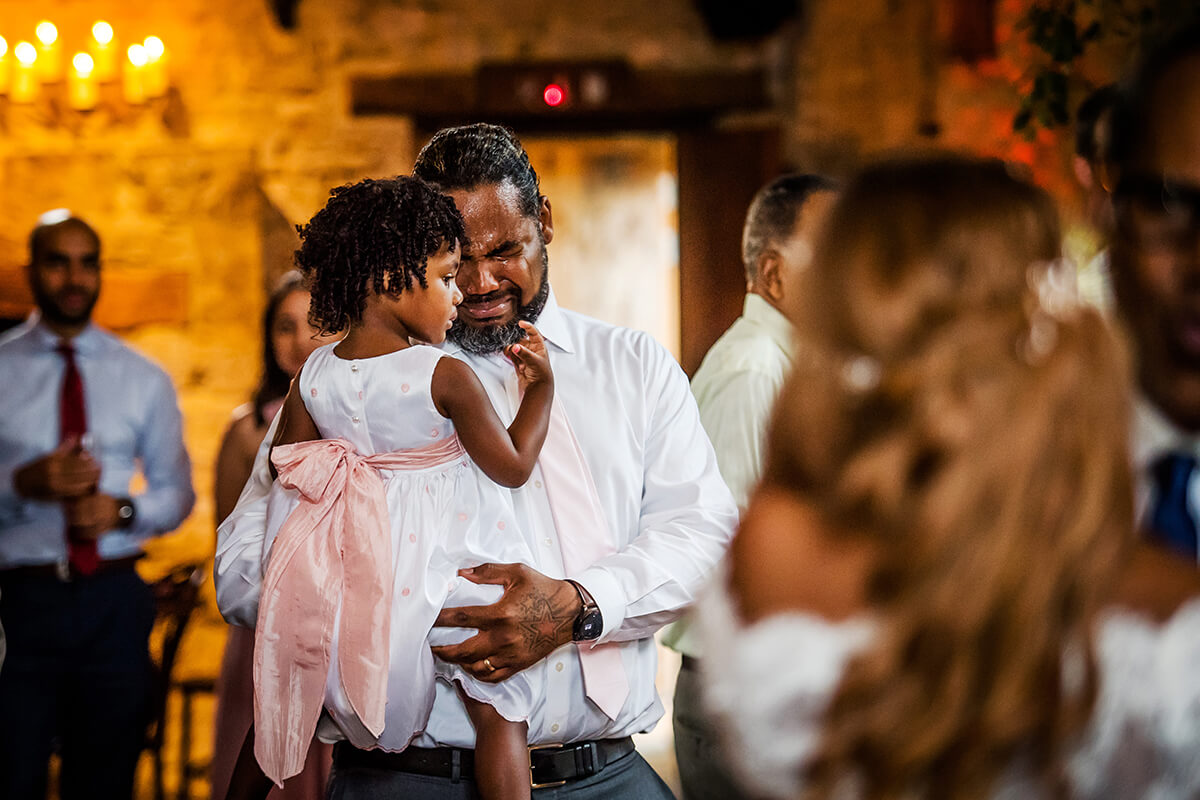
80	414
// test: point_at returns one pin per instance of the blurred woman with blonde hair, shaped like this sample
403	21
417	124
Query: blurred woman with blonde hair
938	592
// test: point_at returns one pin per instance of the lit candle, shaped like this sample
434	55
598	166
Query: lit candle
154	75
24	79
82	91
135	89
104	51
3	66
48	61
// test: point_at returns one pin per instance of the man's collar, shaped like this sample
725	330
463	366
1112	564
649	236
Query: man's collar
771	320
551	323
86	341
1154	435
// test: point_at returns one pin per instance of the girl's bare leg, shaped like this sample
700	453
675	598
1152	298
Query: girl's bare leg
501	753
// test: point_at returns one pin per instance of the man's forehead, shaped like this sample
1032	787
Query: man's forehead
70	235
492	214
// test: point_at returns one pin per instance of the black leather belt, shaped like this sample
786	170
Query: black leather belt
551	765
64	571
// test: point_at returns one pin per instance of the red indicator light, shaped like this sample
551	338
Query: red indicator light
554	95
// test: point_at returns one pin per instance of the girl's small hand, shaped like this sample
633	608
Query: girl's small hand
530	358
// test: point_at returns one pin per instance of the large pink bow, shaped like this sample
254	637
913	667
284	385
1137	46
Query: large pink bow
335	545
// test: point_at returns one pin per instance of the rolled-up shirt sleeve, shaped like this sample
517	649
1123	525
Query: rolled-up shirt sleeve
686	520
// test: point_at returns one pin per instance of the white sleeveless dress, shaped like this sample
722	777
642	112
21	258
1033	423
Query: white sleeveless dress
442	519
769	684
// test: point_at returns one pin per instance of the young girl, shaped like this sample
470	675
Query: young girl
386	456
937	592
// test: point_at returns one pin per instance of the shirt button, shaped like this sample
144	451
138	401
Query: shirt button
547	542
558	667
354	367
554	728
354	420
538	484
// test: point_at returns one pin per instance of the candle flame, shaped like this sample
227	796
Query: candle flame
25	53
154	48
102	32
137	55
83	64
3	47
47	34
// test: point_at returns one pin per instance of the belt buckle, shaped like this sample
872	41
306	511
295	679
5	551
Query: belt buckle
533	784
62	570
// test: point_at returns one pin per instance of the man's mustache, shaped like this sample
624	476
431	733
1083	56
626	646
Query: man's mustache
490	296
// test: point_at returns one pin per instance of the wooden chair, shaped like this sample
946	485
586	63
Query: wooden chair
176	597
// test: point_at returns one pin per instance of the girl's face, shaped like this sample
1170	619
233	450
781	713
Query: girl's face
428	312
292	338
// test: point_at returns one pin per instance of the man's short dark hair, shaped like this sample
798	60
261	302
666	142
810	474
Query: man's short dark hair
1132	110
1090	138
479	155
52	220
773	214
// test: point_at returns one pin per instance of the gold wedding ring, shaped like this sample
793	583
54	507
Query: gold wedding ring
487	662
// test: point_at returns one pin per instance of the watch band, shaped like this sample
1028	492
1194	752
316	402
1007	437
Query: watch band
126	512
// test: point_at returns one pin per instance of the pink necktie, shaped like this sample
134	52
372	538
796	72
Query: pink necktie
336	544
585	538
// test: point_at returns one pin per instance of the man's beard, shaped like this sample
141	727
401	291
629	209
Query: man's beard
488	339
53	310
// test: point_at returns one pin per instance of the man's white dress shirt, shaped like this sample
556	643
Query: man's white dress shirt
657	477
1154	436
735	389
133	424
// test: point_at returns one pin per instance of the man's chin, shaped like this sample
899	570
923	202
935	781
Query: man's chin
485	338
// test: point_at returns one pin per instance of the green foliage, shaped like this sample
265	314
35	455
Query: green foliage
1062	33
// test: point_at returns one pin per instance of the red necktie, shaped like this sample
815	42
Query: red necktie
81	552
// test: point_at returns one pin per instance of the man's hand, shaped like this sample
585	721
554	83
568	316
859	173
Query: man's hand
533	617
67	471
91	515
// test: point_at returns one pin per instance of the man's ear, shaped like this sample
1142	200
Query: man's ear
769	281
546	219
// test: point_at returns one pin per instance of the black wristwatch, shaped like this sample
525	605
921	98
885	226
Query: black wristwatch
590	623
126	512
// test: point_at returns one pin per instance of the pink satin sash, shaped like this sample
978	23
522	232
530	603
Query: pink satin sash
335	545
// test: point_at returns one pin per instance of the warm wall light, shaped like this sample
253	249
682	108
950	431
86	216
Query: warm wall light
104	51
24	81
154	76
132	83
49	66
82	91
3	66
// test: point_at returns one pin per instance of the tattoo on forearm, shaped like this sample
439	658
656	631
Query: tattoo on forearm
541	623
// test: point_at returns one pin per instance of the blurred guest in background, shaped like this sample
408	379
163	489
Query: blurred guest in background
1093	122
80	413
287	341
735	389
938	591
1155	254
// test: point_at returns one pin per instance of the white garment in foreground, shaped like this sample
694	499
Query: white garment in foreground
670	512
770	683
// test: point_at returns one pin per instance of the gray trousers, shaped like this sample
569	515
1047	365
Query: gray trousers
627	778
702	772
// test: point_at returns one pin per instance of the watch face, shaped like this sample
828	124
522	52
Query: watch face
588	626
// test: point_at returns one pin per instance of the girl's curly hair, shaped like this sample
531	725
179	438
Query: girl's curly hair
372	236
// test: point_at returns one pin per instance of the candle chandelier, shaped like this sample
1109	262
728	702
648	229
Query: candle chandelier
44	73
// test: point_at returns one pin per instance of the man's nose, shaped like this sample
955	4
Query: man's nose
476	277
